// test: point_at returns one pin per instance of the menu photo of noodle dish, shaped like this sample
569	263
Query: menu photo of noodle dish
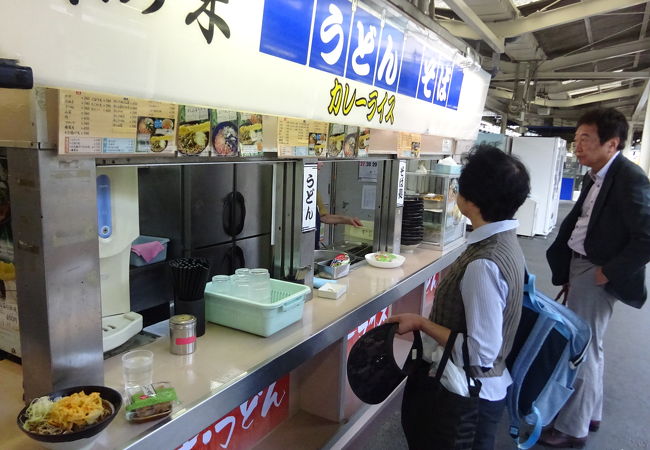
193	135
225	132
250	134
342	142
154	134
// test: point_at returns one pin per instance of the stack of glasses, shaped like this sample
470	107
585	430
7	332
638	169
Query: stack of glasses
249	284
189	276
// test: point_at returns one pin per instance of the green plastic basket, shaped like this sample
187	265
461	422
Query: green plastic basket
263	319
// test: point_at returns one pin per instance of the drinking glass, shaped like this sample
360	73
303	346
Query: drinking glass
261	285
137	368
241	285
221	283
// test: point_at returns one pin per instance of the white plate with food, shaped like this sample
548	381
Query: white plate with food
385	260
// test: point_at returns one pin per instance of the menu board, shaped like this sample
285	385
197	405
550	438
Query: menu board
293	137
408	145
318	132
342	141
251	135
225	132
193	135
91	123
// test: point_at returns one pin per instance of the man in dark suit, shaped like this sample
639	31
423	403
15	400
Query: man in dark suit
599	256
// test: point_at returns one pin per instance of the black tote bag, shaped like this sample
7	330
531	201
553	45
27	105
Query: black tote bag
434	418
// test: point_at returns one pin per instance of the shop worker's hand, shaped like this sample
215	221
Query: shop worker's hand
407	322
355	222
600	277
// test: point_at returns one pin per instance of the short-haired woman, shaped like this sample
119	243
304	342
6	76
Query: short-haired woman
481	294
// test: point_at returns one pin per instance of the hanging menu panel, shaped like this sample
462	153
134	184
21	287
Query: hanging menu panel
293	137
91	123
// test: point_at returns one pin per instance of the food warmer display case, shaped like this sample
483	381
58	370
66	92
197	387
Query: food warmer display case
443	223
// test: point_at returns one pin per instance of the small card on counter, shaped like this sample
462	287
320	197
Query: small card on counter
331	290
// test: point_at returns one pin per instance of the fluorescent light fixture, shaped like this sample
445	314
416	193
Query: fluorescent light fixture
517	3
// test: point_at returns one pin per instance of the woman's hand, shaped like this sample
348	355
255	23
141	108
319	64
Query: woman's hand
411	322
407	322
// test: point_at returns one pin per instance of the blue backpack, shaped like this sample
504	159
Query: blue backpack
550	344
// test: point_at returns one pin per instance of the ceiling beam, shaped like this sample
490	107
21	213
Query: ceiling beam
644	28
643	101
596	55
413	12
578	76
470	18
584	100
542	20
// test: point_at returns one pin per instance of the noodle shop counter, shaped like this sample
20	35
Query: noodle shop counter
230	366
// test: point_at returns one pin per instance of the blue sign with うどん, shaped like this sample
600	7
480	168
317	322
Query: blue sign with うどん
364	45
390	56
330	35
357	45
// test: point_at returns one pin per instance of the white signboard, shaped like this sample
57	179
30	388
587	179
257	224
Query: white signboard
401	183
309	205
322	60
368	170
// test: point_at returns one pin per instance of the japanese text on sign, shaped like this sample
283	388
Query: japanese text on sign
355	334
207	8
246	425
401	183
310	176
343	100
355	43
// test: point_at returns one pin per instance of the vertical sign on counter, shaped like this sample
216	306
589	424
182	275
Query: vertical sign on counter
401	183
309	180
247	424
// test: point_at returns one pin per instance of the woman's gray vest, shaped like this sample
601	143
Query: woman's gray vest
448	309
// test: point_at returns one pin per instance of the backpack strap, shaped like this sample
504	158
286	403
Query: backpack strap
534	436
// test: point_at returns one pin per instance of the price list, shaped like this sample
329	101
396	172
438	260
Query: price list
150	108
99	123
409	145
291	133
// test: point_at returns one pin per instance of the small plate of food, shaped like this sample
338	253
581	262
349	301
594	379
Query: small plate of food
74	416
385	260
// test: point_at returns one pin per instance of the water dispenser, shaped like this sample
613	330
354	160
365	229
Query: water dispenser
117	227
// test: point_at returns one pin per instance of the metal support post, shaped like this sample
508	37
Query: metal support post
54	219
644	161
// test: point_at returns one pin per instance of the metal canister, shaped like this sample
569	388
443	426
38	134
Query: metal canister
182	334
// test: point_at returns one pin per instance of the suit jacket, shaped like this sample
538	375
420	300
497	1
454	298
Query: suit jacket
618	233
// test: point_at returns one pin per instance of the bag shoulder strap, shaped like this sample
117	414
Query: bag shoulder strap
474	389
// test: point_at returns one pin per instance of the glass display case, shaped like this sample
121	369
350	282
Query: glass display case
444	225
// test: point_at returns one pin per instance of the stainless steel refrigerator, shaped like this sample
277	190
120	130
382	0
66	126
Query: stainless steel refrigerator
221	212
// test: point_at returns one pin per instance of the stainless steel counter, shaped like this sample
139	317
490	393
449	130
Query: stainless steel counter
229	366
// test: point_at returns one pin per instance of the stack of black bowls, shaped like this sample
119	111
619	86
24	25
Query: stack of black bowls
412	227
